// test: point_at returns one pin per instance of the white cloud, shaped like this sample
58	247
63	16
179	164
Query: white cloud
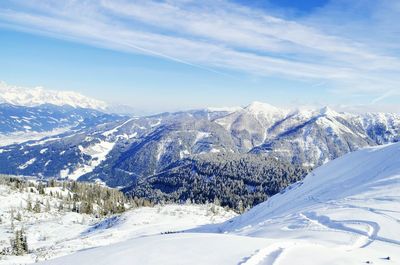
218	35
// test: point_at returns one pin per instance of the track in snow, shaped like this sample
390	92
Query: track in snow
268	255
369	236
265	256
381	212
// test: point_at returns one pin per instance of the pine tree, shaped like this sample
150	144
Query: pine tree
12	220
18	217
217	201
36	208
41	189
47	209
75	207
240	207
19	243
61	206
29	203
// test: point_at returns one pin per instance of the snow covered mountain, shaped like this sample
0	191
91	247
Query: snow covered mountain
123	149
248	126
344	212
121	152
34	113
30	97
310	136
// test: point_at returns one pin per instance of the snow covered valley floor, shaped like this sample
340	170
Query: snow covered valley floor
345	212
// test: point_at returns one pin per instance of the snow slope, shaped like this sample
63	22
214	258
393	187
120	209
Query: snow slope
24	96
58	233
371	175
345	212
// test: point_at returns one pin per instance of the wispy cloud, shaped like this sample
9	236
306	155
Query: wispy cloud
217	35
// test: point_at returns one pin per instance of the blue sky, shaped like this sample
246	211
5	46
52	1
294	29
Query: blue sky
180	54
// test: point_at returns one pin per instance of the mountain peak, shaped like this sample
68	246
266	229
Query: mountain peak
257	107
30	97
328	111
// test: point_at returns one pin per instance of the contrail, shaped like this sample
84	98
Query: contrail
176	59
383	96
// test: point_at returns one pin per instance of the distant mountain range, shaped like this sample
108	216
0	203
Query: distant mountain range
31	97
143	146
66	141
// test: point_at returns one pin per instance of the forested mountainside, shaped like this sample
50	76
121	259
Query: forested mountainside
142	153
233	180
118	152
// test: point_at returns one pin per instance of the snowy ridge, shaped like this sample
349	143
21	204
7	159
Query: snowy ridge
345	212
24	96
348	207
371	171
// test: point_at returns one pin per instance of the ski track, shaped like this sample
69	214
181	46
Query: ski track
370	235
362	238
264	256
352	206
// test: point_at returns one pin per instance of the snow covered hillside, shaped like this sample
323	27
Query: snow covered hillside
27	96
53	231
345	212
